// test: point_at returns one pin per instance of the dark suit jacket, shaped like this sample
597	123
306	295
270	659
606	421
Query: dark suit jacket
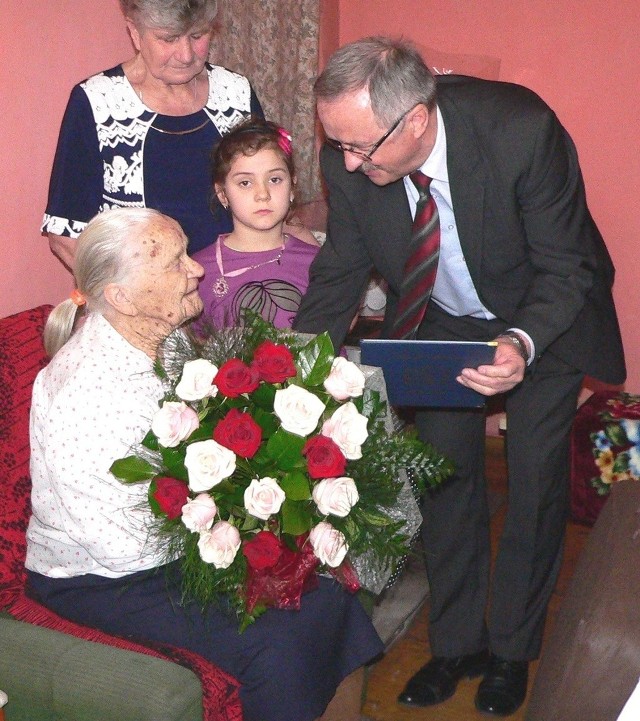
535	255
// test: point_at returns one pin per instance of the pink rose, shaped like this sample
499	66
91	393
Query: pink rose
345	380
336	496
348	430
219	545
199	512
329	545
174	423
263	497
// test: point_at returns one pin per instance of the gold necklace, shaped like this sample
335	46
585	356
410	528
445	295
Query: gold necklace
180	132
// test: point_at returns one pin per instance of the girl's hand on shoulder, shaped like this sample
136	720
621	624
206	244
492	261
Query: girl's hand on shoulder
296	228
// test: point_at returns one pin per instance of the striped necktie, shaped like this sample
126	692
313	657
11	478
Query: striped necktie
422	262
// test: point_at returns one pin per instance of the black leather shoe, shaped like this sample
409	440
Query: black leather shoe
437	680
503	688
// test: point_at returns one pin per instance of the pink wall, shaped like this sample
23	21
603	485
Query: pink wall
47	47
584	60
329	29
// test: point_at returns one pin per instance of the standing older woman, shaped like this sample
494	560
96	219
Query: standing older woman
139	134
87	556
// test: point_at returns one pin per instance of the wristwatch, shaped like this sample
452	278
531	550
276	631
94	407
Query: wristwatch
518	343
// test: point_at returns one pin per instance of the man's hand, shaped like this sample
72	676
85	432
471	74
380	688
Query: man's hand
506	371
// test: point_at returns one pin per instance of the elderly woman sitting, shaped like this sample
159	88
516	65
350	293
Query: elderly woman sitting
87	556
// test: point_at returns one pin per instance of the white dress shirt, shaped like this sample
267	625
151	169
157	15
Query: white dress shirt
90	405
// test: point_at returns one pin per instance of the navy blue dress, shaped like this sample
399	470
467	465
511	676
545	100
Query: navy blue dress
289	663
113	151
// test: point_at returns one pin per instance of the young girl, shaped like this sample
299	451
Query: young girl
257	265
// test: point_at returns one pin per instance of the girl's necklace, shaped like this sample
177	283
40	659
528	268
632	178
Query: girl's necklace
221	286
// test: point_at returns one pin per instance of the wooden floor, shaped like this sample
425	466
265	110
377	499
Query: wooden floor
388	677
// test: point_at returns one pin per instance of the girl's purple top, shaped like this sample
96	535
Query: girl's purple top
274	290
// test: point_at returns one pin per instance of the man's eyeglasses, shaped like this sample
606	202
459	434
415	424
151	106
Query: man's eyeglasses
368	154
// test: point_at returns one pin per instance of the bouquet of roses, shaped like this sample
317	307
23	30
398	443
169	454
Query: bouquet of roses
616	448
269	462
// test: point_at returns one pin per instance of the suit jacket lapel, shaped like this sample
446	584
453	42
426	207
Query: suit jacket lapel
390	228
467	178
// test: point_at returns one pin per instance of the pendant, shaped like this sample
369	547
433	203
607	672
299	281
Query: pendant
220	287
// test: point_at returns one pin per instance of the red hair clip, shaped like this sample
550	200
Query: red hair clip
284	141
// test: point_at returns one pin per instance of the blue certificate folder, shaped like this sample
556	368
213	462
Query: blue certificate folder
422	373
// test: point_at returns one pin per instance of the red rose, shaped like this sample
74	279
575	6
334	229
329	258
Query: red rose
170	494
235	378
238	432
263	550
324	458
273	362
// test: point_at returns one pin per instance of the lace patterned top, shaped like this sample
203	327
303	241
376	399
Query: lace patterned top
112	152
272	284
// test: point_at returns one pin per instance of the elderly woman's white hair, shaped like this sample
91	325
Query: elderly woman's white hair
176	15
102	257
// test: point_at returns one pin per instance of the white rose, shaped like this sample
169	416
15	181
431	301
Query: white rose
345	380
219	545
336	496
263	497
197	380
348	430
298	410
199	512
173	423
208	463
329	545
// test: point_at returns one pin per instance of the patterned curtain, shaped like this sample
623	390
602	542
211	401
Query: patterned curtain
275	44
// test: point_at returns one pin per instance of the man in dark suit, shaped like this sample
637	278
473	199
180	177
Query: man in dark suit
520	261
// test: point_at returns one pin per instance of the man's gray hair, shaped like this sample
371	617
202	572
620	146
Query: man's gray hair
392	71
177	16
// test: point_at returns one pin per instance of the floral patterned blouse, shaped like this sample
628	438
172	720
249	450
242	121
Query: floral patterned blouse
113	151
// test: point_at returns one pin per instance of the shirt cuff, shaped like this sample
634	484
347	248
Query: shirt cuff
527	337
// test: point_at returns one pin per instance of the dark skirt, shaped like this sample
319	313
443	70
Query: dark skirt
289	663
